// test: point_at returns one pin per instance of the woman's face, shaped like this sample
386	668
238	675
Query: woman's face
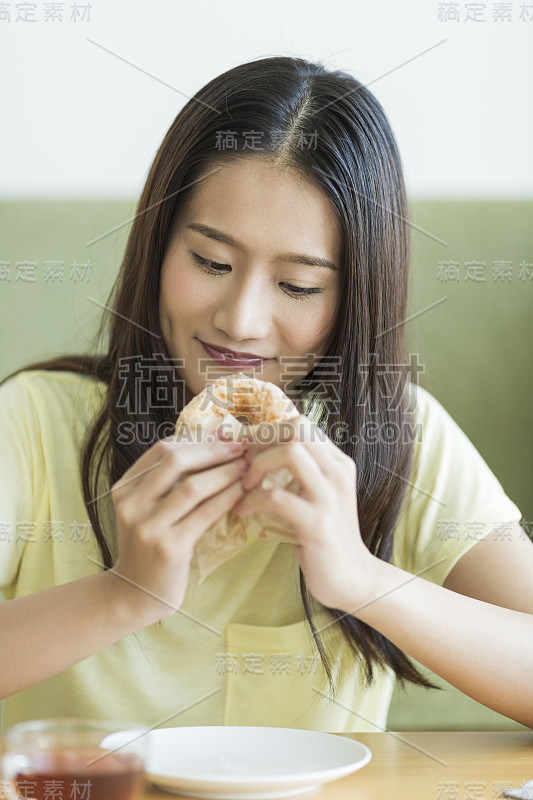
246	300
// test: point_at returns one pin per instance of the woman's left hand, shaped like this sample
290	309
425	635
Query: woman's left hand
334	559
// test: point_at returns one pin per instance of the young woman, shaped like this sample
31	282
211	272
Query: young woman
273	225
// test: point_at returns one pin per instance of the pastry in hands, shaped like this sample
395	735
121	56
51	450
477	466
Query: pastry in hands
239	406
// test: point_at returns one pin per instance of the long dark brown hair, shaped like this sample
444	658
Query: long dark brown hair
330	128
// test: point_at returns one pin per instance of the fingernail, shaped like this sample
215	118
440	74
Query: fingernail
234	447
243	465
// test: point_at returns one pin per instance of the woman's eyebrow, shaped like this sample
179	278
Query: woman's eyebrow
295	258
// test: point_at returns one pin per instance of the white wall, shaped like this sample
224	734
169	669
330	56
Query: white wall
78	121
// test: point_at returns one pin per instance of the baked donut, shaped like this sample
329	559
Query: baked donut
238	405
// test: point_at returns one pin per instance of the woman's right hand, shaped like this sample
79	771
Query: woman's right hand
159	523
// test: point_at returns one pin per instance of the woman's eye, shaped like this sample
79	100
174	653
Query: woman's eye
205	262
302	291
298	292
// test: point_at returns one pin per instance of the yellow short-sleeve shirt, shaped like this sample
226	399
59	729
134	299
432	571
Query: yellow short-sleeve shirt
239	650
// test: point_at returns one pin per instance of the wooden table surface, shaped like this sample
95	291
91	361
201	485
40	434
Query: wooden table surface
442	765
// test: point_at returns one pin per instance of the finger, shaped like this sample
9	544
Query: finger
143	465
287	505
297	459
196	489
208	512
164	463
180	461
330	458
316	441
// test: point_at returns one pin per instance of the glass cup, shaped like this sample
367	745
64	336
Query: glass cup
74	759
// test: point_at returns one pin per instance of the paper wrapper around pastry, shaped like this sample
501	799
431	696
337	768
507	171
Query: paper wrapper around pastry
212	409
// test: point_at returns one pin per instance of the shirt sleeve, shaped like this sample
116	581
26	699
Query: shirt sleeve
19	434
453	500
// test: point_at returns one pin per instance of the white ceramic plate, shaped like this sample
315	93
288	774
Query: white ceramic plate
218	762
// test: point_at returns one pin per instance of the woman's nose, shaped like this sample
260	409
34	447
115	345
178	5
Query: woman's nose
243	312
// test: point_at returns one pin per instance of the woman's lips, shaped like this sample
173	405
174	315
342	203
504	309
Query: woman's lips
227	360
